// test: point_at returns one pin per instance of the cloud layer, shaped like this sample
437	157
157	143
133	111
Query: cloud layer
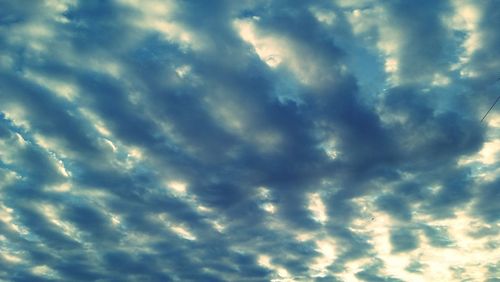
263	140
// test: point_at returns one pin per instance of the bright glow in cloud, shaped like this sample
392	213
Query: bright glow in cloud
317	207
178	186
327	250
271	50
183	233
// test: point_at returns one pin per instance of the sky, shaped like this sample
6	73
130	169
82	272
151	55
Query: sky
249	140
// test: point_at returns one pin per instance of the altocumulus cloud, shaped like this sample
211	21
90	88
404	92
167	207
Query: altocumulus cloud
263	140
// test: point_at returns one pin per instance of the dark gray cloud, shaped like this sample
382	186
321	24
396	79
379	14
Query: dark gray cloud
486	205
403	239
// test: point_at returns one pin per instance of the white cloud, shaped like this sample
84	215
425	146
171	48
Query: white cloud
177	186
317	208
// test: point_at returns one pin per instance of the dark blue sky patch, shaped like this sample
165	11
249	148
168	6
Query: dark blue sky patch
438	236
403	239
371	273
395	206
487	205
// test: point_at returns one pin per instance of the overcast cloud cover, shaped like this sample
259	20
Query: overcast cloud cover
249	140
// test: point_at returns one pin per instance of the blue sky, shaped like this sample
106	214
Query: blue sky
263	140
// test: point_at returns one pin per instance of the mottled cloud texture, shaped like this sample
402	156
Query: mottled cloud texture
252	140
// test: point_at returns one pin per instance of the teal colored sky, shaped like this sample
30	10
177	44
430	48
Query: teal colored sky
252	140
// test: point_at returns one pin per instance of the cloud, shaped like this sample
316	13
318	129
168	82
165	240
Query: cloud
248	141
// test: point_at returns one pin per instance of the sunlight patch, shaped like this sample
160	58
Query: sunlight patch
10	258
489	154
159	16
59	5
391	65
43	270
59	188
331	149
110	144
183	70
377	227
55	151
466	18
135	153
218	226
52	214
106	66
182	232
469	253
178	229
270	50
33	34
7	177
440	80
177	186
317	208
277	50
281	274
268	207
8	218
304	236
17	114
63	89
327	248
95	121
351	268
230	113
494	120
115	220
324	16
264	198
